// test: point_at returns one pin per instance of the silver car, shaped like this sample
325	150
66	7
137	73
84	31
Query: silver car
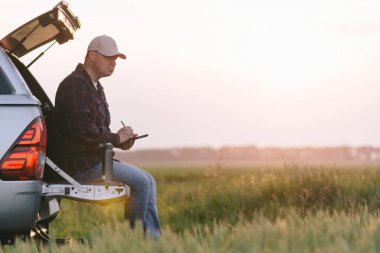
24	114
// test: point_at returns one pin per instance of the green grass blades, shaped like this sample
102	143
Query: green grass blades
289	209
317	232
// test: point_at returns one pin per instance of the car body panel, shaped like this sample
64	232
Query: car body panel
57	24
20	201
16	119
18	100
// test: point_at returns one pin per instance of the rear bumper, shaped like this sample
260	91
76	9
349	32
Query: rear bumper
19	204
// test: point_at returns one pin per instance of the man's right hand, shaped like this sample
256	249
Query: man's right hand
125	133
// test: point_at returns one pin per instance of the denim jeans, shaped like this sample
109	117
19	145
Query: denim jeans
142	204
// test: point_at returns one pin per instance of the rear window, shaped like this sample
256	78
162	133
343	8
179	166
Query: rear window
5	86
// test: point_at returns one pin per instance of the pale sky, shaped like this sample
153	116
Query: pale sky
216	73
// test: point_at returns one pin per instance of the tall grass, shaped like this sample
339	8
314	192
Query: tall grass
318	232
226	195
289	209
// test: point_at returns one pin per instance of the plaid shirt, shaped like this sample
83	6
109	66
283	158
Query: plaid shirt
81	123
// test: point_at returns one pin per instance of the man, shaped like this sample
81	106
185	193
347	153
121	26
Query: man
82	122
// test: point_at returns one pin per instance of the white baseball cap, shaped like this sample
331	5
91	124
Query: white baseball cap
106	46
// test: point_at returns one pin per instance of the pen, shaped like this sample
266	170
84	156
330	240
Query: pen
122	123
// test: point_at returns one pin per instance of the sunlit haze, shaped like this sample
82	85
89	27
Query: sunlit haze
217	73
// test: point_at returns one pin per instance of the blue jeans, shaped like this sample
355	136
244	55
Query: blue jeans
142	204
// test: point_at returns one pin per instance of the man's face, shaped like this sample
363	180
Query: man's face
104	65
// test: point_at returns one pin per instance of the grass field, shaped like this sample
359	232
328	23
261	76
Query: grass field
292	208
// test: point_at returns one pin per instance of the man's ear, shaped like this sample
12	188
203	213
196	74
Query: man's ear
92	55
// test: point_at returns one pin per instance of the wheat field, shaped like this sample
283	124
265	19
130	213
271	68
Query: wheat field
292	208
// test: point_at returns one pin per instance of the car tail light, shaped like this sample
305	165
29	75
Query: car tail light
26	159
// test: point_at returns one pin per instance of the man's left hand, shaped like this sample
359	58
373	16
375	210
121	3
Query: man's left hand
127	145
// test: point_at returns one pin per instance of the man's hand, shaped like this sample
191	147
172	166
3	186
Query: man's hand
125	134
128	144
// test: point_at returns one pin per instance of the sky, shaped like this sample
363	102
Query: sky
229	73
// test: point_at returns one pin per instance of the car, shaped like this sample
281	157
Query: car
24	111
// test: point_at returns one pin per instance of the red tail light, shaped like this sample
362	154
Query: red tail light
26	160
